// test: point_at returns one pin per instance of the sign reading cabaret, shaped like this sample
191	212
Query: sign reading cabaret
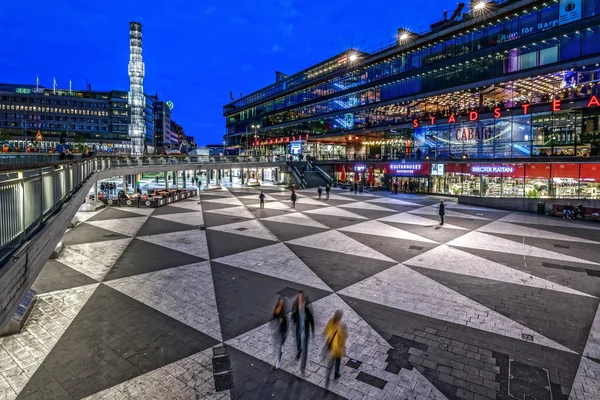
483	169
555	105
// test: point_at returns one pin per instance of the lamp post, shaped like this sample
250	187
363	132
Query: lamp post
256	128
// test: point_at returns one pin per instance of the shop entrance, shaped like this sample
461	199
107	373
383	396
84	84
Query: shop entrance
410	184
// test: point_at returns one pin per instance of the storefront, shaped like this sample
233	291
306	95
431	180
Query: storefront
372	175
410	177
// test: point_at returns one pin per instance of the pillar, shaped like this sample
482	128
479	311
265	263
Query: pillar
230	175
219	176
276	177
96	190
138	184
184	179
166	181
242	175
262	174
176	179
207	178
125	183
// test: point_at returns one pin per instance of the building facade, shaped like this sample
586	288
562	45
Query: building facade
491	95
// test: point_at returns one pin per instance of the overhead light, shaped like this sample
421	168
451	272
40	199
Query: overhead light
479	6
404	36
353	57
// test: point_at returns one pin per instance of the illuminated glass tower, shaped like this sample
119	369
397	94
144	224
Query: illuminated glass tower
137	100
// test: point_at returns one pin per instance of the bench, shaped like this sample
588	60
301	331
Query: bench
557	211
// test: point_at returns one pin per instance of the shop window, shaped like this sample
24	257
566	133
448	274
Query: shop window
589	181
565	181
549	55
590	43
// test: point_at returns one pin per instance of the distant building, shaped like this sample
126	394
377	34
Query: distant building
149	139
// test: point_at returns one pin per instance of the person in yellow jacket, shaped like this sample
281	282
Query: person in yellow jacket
335	332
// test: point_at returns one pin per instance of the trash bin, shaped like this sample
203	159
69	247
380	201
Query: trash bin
541	208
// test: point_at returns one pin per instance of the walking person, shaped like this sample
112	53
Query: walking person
294	197
157	179
335	333
262	199
355	188
442	212
302	317
320	191
280	330
405	187
327	190
395	186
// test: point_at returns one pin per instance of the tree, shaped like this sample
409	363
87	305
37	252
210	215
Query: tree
79	142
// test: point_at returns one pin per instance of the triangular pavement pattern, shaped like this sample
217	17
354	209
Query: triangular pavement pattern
184	293
402	288
296	219
449	259
411	219
522	218
334	211
94	259
520	230
363	205
483	241
277	261
338	242
389	200
191	205
435	210
256	197
139	211
48	321
191	218
83	216
274	205
251	228
380	229
233	201
240	212
216	192
125	226
191	242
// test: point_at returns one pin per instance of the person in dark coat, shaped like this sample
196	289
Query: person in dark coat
262	199
280	318
320	191
327	190
442	212
355	188
294	197
302	317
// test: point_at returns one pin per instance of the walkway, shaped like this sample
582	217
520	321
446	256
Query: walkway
141	302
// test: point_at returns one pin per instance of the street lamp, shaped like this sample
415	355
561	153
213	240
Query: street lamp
256	128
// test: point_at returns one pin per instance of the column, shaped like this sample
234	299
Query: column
184	179
256	175
125	183
138	184
96	190
166	181
176	179
230	175
262	174
207	175
242	175
276	176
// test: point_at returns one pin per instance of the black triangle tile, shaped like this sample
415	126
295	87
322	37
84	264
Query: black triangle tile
141	257
575	231
339	270
399	250
570	274
371	214
221	244
334	221
114	338
266	213
572	315
304	207
584	251
156	226
113	213
245	299
466	223
396	207
167	210
332	202
489	214
255	379
211	205
212	219
213	196
57	276
431	231
285	232
87	233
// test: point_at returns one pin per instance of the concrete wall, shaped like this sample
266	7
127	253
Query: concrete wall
520	204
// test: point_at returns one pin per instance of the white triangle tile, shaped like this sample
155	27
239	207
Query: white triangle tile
380	229
184	293
523	218
233	201
313	202
334	212
412	219
187	205
277	261
24	352
338	242
256	197
192	218
483	241
190	242
351	195
296	219
402	288
124	226
135	210
363	205
188	378
251	228
333	196
94	259
260	343
520	230
274	205
449	259
456	206
389	200
237	212
434	210
216	193
83	216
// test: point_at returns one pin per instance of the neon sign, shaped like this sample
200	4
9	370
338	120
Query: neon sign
405	167
170	105
23	90
359	168
482	169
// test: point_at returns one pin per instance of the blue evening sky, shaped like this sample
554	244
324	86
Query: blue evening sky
195	51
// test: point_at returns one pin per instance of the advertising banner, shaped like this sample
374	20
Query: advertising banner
570	10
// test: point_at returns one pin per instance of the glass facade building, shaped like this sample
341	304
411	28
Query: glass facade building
519	80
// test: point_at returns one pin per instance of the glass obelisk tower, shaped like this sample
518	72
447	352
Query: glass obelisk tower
137	128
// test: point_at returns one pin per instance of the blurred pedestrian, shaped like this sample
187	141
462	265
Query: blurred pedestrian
294	197
442	212
280	330
320	191
302	317
335	333
262	199
327	190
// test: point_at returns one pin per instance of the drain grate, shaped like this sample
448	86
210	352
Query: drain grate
565	267
371	380
354	364
241	229
561	246
415	248
593	272
202	227
527	337
112	235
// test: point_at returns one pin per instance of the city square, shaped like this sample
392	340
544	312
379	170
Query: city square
491	304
